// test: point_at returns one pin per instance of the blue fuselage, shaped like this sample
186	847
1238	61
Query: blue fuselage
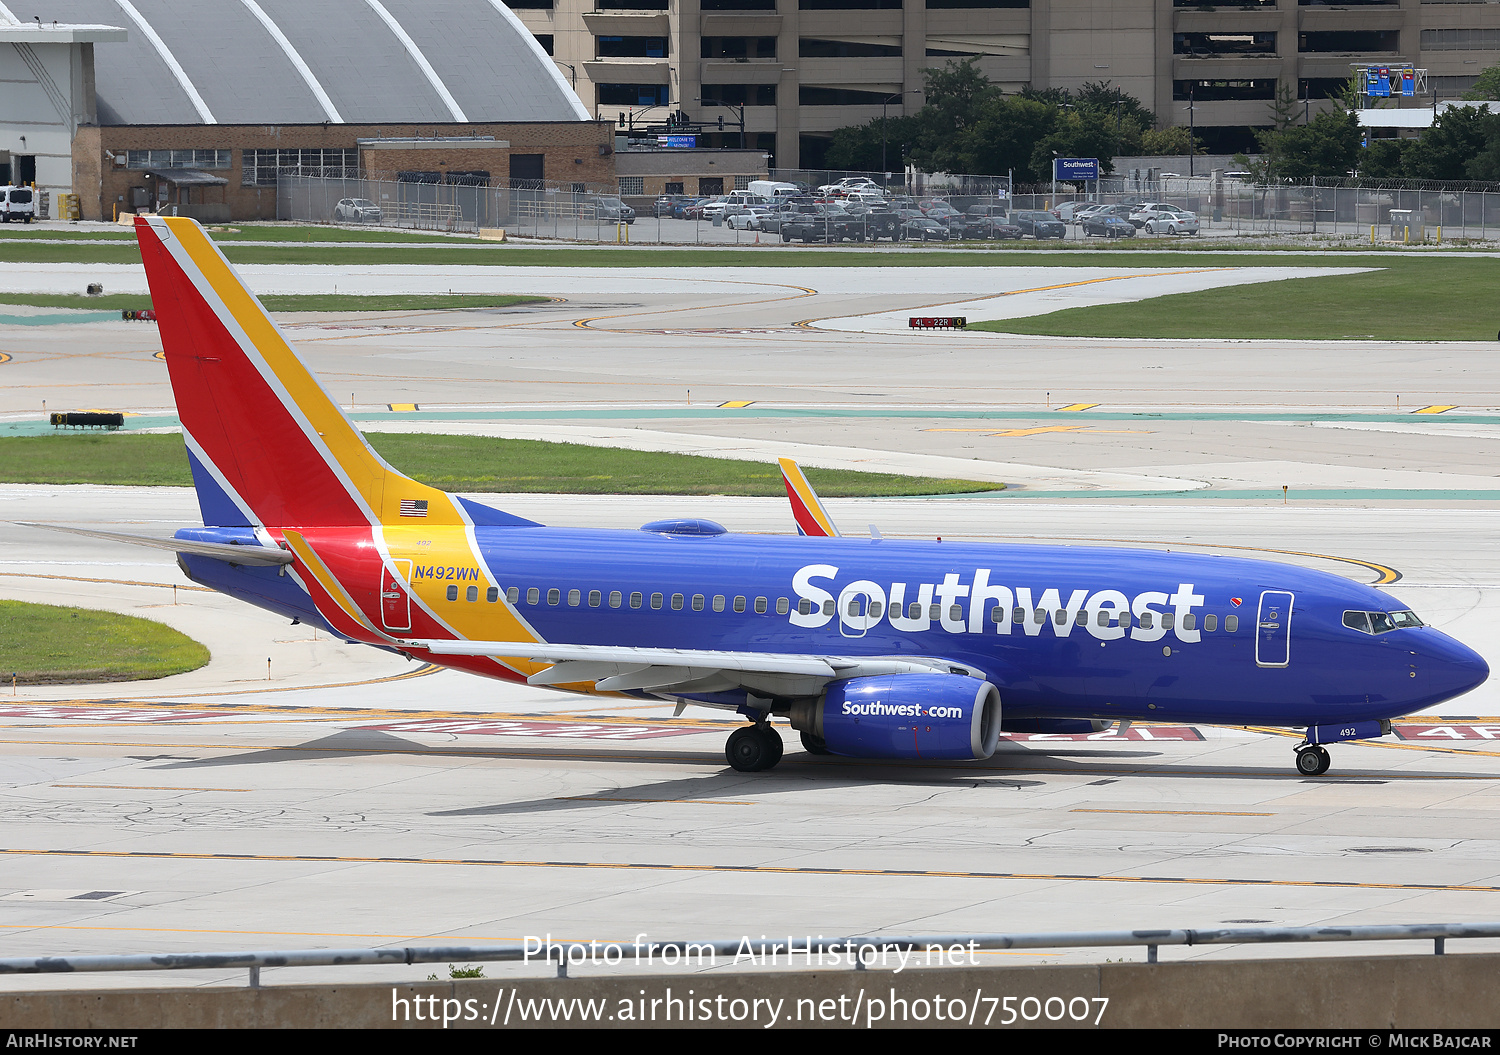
1064	632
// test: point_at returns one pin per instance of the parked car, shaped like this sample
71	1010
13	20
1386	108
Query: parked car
667	203
1039	225
1160	218
1107	225
1067	211
819	223
747	217
356	210
608	209
991	228
716	207
925	230
880	223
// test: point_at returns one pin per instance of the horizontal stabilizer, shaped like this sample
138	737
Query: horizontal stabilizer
217	550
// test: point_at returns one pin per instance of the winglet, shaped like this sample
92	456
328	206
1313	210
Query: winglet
807	508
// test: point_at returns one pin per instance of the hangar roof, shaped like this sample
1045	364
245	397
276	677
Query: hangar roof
310	61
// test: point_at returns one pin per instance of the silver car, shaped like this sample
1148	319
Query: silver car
356	210
1164	219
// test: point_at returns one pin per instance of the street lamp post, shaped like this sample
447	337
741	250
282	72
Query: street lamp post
732	108
884	172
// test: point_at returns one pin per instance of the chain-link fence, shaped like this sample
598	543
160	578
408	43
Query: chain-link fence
1385	212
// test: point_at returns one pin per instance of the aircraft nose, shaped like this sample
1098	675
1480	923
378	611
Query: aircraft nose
1453	668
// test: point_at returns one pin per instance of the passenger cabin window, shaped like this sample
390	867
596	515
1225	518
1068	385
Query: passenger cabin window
760	606
615	597
1210	623
997	615
1190	622
934	611
554	596
875	609
1168	619
573	598
804	607
635	600
697	602
471	594
677	602
595	598
1147	619
492	594
739	604
828	607
718	602
656	600
513	594
453	593
533	596
782	606
1231	623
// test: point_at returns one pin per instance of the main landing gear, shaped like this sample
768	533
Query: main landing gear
752	748
1312	759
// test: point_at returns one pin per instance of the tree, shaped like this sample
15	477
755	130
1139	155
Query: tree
1488	85
1174	141
1327	146
1444	151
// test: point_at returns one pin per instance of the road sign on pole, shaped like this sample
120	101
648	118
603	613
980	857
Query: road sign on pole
1075	168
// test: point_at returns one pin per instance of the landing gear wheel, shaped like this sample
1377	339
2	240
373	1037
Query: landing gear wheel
815	745
753	748
1313	760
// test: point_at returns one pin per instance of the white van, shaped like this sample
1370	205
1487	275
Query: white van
770	190
17	203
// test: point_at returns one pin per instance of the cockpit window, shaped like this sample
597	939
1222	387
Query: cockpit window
1381	622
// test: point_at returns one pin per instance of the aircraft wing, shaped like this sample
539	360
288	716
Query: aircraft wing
233	554
613	668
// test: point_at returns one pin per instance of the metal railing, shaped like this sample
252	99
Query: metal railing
860	952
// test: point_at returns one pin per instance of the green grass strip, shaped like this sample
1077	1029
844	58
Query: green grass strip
466	463
52	645
1427	300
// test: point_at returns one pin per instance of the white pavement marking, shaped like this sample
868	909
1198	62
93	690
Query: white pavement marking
1082	287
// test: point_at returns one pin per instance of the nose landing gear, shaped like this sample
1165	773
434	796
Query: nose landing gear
752	748
1312	759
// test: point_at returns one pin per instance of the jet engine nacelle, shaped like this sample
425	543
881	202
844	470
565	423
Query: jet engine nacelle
933	716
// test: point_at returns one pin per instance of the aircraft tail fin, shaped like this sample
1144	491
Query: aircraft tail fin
807	507
268	445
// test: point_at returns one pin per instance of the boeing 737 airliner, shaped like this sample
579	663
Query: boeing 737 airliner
872	648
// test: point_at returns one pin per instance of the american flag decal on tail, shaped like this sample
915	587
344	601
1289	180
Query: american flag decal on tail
414	507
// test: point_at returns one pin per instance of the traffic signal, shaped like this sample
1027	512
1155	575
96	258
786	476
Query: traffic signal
622	118
721	122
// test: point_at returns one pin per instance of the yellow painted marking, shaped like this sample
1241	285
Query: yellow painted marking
1050	428
897	873
403	407
1078	406
144	787
5	357
1177	813
735	403
1436	409
159	355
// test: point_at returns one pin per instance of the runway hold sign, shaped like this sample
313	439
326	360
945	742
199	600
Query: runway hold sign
1075	168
